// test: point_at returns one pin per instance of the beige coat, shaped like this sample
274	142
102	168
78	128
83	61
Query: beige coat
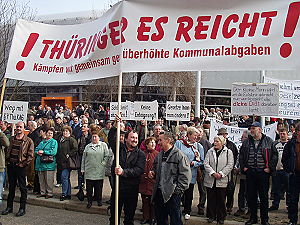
4	143
222	165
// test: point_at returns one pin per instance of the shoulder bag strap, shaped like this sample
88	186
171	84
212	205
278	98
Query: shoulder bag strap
267	157
227	162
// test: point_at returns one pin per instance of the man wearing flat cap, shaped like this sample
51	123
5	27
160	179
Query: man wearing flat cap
230	145
258	159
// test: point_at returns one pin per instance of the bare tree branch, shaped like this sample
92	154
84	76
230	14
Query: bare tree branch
10	12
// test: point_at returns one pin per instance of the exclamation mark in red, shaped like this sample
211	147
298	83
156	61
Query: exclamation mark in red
289	29
28	47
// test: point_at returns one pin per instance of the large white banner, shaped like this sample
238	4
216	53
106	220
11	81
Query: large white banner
235	133
63	53
178	111
169	35
14	111
193	35
289	97
254	99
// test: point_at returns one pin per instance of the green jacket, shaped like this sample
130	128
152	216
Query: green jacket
50	148
94	160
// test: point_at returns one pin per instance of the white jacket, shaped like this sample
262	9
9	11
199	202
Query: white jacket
222	165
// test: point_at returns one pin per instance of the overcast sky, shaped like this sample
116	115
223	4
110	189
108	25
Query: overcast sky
46	7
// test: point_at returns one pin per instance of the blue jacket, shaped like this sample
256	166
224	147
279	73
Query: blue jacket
50	148
289	156
188	151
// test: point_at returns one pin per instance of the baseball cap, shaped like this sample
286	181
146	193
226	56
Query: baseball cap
256	124
222	131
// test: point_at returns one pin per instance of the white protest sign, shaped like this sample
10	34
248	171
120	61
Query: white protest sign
254	99
289	97
126	110
179	111
235	133
146	111
14	111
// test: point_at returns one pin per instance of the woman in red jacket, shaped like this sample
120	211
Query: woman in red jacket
147	184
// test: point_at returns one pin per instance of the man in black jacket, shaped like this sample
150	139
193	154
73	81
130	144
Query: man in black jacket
132	165
258	159
291	165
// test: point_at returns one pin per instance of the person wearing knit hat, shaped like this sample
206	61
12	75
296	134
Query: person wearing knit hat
230	145
218	164
221	139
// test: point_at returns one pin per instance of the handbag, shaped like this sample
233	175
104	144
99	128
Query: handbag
80	194
200	176
230	185
47	158
74	162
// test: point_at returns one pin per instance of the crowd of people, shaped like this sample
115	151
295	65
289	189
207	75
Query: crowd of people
161	161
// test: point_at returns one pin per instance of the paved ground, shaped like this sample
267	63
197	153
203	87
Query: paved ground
73	211
38	215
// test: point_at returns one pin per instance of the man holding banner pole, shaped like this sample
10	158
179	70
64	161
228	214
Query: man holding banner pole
131	167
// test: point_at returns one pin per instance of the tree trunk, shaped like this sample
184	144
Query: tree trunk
139	76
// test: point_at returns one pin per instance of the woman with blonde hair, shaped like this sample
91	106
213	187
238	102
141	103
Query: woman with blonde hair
94	160
218	164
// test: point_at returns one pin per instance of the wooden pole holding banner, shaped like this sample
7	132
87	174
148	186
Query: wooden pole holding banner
146	129
2	94
198	94
118	151
262	80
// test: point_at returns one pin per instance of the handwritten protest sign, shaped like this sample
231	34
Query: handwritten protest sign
14	111
179	111
257	99
235	133
146	111
126	110
289	97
